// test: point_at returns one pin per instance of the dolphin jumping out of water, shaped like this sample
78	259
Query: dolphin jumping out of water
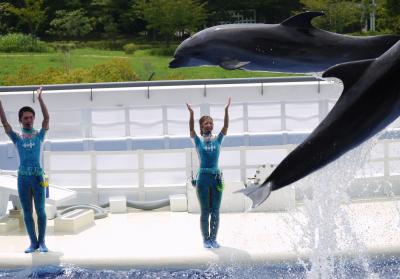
291	46
370	101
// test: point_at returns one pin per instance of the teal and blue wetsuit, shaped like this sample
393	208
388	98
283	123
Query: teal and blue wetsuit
30	176
209	190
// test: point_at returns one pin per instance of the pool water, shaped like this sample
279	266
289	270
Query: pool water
379	268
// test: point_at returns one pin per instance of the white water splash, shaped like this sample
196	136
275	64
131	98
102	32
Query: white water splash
325	230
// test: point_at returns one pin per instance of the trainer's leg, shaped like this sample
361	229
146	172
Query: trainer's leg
25	197
203	195
40	201
216	197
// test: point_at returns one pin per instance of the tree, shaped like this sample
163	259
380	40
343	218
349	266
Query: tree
268	11
389	16
114	16
5	24
31	13
341	15
171	16
71	24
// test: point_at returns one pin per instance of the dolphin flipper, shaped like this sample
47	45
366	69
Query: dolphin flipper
349	73
257	194
233	64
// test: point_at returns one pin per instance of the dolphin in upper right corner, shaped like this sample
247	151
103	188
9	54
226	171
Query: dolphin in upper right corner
370	101
292	46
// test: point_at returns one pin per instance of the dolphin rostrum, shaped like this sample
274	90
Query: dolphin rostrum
370	101
291	46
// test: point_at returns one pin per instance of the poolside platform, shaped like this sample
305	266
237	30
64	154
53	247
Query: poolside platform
159	239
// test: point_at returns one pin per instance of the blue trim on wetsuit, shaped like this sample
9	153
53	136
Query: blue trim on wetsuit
208	177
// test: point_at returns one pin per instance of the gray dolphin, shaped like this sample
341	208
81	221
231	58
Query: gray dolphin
370	101
291	46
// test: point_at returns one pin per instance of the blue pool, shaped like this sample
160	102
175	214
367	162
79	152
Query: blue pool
382	268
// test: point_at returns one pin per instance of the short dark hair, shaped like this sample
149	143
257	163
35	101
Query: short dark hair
25	109
202	120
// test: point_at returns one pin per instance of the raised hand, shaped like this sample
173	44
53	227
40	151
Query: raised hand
226	118
46	117
39	92
228	104
189	108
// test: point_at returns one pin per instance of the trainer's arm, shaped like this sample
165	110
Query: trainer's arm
6	125
191	121
46	117
226	118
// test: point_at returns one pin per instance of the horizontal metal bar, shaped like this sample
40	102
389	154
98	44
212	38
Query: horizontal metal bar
78	86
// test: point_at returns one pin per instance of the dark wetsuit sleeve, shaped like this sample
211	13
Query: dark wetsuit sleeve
13	136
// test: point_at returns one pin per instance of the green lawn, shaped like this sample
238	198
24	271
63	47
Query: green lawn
142	63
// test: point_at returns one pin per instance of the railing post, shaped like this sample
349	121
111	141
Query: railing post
165	119
386	165
93	177
243	167
323	108
245	117
46	163
87	120
204	109
127	122
141	190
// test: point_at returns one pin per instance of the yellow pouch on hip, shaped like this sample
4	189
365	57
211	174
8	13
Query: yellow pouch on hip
45	181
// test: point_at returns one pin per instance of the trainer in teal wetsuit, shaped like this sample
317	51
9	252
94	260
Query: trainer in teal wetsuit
209	182
30	172
209	185
30	176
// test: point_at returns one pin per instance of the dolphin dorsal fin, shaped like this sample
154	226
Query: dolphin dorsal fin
301	20
349	73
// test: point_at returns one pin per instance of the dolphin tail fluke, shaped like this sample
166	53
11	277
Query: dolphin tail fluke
257	194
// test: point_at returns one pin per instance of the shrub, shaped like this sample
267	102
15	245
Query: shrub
130	48
116	69
64	46
23	76
104	45
17	42
112	71
164	51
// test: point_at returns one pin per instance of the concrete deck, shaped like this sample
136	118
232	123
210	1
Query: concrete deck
168	239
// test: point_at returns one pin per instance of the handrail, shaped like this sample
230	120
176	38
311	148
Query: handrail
204	82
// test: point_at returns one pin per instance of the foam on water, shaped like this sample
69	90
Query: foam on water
325	232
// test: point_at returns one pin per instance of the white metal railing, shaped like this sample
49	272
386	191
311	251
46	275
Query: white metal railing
156	121
150	169
112	113
165	170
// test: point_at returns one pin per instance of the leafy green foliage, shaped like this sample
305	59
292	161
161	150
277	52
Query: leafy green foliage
130	48
171	16
112	70
341	16
32	13
73	24
163	51
16	42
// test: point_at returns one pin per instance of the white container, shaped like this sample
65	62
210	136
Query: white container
74	221
117	204
178	203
